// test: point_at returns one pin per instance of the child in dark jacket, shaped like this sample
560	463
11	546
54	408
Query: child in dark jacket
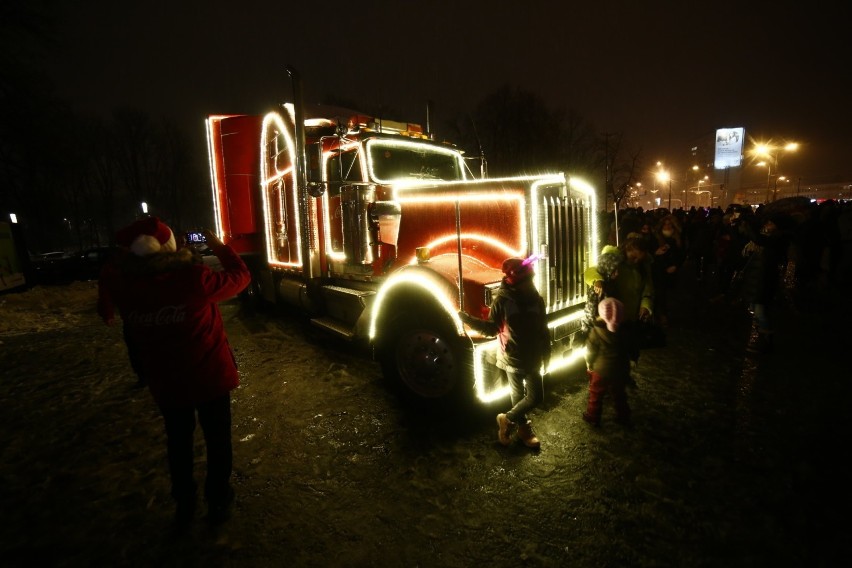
518	319
608	362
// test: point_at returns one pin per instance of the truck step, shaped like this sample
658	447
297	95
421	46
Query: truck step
348	292
334	326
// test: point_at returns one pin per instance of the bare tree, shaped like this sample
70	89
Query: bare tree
138	155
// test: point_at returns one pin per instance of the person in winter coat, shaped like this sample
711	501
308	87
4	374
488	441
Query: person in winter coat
518	319
766	255
604	274
168	299
608	363
633	286
669	255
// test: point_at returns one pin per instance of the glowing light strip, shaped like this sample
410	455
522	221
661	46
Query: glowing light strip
336	255
425	185
566	319
521	237
593	218
274	119
479	352
460	197
575	183
427	284
472	237
211	156
419	146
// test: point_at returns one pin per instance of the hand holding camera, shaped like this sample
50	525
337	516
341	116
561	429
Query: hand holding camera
194	238
202	237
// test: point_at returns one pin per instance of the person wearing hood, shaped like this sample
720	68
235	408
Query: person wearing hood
633	287
608	364
518	319
604	275
167	298
668	258
766	255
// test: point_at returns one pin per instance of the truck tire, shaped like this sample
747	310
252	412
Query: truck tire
250	298
426	358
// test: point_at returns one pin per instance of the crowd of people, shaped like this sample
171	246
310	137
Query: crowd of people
813	245
793	252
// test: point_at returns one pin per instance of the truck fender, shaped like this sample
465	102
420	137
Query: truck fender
419	336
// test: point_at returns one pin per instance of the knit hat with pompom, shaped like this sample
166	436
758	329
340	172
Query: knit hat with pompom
612	312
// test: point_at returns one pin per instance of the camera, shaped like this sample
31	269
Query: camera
195	238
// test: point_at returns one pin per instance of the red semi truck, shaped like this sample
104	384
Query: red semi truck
378	232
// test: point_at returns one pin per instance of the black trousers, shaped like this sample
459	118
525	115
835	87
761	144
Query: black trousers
215	420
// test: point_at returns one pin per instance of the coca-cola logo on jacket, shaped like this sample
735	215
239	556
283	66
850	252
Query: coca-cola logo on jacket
167	315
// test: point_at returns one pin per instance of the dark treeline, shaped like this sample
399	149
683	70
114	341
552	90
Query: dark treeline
72	179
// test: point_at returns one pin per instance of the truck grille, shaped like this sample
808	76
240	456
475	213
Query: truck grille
565	221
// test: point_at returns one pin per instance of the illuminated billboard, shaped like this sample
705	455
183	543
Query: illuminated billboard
729	148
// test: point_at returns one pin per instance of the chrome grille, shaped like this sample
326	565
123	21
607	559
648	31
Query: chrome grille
565	217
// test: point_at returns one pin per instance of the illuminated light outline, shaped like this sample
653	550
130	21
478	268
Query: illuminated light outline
424	280
508	195
471	237
273	118
383	142
481	349
566	319
571	183
211	153
334	255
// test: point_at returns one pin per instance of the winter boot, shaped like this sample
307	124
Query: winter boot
527	436
504	429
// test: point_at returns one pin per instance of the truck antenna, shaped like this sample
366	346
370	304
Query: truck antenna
483	164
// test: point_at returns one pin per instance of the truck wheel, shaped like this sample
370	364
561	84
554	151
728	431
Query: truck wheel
425	359
251	299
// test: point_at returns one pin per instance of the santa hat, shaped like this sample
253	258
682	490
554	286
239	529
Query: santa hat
147	236
612	312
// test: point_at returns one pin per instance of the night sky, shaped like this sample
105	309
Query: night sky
663	73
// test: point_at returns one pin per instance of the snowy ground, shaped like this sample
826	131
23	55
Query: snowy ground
734	460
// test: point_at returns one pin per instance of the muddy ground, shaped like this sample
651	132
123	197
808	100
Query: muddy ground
734	460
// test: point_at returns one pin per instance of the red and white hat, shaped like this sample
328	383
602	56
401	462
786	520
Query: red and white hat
147	236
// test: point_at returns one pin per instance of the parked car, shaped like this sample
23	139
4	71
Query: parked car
55	267
90	261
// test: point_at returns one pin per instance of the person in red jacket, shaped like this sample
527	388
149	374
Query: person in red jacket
167	299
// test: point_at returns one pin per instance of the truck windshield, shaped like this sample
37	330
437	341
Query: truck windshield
393	161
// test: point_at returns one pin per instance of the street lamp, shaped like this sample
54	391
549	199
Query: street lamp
771	153
768	167
665	177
